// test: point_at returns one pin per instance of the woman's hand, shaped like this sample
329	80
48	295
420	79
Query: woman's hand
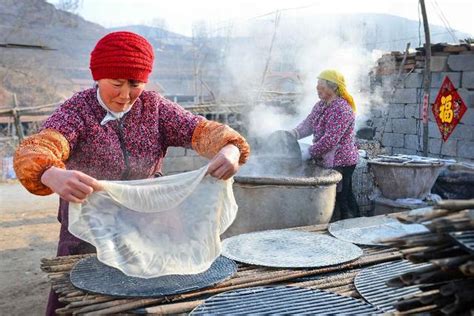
71	185
225	163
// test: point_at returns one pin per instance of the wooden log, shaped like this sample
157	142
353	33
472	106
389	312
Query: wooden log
437	299
117	306
425	239
176	308
463	302
455	205
452	287
58	268
76	298
445	253
468	268
423	310
126	305
408	304
91	301
451	263
409	278
436	276
331	281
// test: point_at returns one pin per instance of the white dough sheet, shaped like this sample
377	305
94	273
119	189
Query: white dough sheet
155	227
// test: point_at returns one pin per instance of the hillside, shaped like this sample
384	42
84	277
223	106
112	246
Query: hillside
40	76
43	76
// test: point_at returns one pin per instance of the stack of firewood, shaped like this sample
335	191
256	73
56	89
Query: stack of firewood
447	284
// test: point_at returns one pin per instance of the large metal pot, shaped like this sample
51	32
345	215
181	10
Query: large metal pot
405	180
274	202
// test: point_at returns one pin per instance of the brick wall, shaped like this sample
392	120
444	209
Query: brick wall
397	119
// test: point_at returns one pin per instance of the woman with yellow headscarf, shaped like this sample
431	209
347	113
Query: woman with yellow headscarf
331	122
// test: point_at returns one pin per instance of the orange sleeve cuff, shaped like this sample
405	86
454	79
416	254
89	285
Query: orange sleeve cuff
36	154
209	137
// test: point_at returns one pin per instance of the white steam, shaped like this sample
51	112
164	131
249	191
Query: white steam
306	46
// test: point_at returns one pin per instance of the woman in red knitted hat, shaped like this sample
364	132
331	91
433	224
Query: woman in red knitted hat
116	131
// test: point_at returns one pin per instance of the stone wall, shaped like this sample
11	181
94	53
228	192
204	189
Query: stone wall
180	159
398	121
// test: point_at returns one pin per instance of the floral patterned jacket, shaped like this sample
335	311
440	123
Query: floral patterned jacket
332	126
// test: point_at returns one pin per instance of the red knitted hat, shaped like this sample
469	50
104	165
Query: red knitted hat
122	55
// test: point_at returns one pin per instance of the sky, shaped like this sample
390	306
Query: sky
180	15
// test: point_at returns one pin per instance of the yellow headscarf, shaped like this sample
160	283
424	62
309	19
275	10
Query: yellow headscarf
336	77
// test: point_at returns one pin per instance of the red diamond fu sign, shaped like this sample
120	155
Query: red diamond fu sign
448	108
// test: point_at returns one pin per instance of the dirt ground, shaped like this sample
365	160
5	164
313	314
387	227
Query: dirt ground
28	232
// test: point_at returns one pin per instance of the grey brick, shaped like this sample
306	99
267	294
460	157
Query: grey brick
376	113
468	79
383	124
396	111
449	148
413	80
387	81
466	149
461	62
433	130
386	94
175	152
412	111
404	126
437	79
439	63
467	96
433	94
463	132
411	142
407	95
468	117
393	140
434	146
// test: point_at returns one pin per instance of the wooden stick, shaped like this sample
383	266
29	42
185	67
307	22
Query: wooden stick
58	268
176	308
328	281
452	287
125	305
117	306
117	302
91	301
455	205
440	254
408	304
451	263
468	268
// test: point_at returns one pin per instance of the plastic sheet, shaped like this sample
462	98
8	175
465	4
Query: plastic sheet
155	227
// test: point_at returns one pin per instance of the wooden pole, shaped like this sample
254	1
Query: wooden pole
426	78
16	119
267	63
